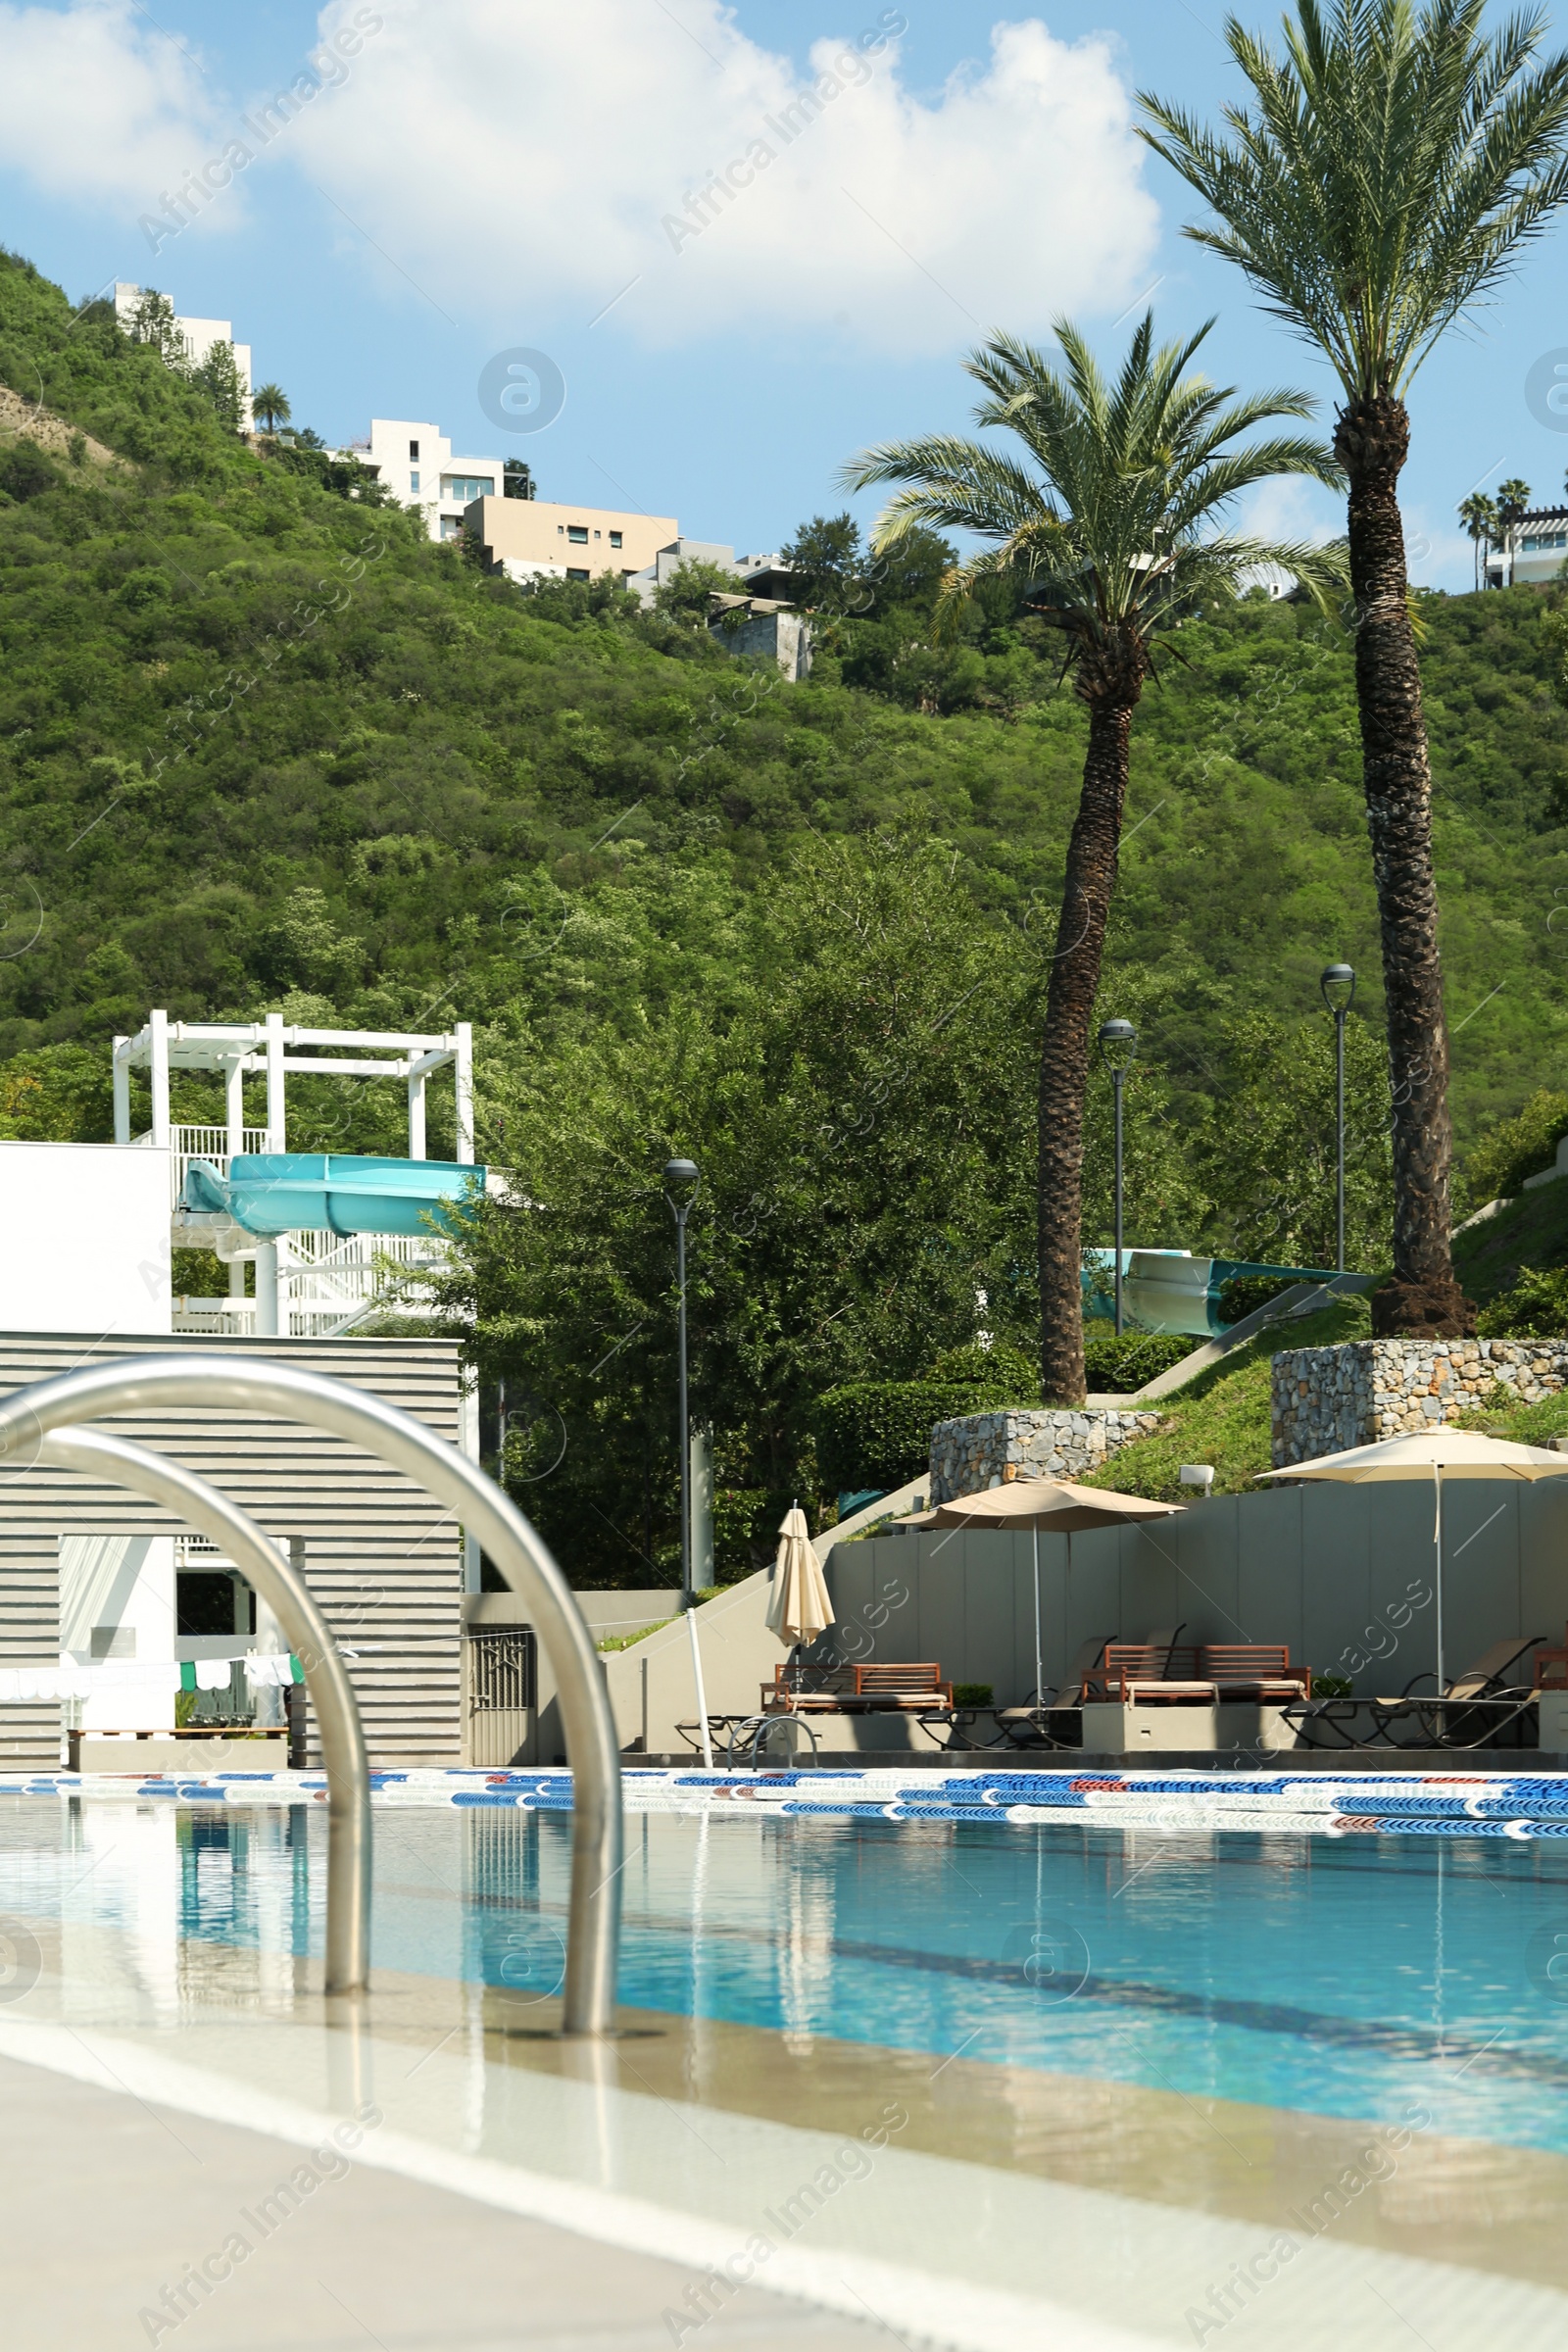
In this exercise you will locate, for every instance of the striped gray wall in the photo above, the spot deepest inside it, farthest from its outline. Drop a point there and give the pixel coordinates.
(383, 1559)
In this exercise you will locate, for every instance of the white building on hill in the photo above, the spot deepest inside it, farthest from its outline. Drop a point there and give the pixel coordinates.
(199, 335)
(413, 458)
(1534, 548)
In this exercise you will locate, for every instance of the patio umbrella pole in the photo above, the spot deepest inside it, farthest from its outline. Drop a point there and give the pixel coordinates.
(701, 1695)
(1437, 1538)
(1040, 1672)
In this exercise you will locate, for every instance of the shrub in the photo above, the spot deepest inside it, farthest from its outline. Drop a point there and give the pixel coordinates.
(1000, 1372)
(1116, 1367)
(973, 1695)
(1535, 1309)
(877, 1433)
(1520, 1147)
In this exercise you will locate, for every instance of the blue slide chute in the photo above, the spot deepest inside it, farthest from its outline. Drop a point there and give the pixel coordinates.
(1171, 1291)
(270, 1192)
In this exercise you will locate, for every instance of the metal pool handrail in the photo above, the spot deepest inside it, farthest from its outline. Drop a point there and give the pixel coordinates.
(96, 1453)
(145, 1384)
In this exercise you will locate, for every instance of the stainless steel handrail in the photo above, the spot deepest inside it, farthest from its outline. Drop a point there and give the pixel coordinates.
(144, 1384)
(96, 1453)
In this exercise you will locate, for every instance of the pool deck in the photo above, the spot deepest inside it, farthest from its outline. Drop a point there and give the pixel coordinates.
(114, 2204)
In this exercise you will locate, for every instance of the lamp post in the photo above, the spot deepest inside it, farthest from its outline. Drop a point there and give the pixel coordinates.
(1337, 984)
(1118, 1045)
(680, 1175)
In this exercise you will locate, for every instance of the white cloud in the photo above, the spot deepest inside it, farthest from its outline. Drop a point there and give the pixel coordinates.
(525, 161)
(96, 104)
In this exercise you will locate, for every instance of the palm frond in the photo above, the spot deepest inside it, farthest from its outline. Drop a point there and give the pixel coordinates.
(1393, 159)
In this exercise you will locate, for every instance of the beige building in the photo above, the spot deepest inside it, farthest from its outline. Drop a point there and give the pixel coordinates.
(530, 538)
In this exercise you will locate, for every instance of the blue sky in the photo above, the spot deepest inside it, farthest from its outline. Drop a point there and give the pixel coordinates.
(483, 175)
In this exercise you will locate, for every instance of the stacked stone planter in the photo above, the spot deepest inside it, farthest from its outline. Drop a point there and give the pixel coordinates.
(989, 1449)
(1327, 1399)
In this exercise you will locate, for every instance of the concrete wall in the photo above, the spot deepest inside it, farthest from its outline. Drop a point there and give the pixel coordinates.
(88, 1246)
(1343, 1574)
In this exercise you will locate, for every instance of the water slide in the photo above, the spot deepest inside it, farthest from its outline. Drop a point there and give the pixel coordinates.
(1170, 1290)
(271, 1192)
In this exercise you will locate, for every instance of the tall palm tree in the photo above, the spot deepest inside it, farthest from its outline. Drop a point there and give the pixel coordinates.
(1478, 514)
(1110, 514)
(269, 407)
(1380, 181)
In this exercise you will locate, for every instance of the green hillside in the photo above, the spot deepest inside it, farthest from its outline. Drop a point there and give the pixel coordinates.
(262, 745)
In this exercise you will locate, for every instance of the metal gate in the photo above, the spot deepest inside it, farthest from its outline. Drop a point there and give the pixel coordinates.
(501, 1693)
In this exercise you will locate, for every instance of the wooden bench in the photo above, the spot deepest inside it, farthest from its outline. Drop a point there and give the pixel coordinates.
(1161, 1674)
(854, 1689)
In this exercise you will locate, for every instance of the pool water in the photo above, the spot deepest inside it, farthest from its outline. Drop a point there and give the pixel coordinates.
(1345, 1978)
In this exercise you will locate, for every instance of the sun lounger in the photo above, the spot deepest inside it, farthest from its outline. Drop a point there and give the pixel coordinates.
(1488, 1699)
(880, 1688)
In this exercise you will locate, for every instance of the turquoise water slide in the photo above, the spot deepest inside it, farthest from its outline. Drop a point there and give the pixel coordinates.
(271, 1192)
(1169, 1289)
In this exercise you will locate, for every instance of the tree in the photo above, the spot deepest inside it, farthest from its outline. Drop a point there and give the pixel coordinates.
(1393, 163)
(516, 479)
(686, 596)
(1480, 517)
(219, 378)
(828, 561)
(269, 407)
(1108, 523)
(153, 321)
(1513, 497)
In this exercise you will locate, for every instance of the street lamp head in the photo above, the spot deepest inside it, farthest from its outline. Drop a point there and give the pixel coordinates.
(1118, 1046)
(681, 1182)
(1337, 984)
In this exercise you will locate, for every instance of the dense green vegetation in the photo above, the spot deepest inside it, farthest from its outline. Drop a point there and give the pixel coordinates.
(797, 931)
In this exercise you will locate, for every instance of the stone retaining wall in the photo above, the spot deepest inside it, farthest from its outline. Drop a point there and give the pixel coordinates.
(989, 1449)
(1327, 1399)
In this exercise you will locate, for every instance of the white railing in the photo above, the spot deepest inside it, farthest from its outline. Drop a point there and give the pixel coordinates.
(211, 1144)
(327, 1283)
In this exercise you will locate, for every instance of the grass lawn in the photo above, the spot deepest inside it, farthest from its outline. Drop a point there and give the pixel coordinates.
(1223, 1415)
(1532, 1231)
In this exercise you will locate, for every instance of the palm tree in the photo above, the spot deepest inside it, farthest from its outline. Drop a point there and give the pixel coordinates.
(1392, 165)
(1478, 514)
(1110, 516)
(269, 407)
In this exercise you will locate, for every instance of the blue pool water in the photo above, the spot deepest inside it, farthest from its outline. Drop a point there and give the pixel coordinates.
(1354, 1977)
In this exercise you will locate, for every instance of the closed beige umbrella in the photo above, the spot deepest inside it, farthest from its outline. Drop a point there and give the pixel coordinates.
(800, 1609)
(1434, 1453)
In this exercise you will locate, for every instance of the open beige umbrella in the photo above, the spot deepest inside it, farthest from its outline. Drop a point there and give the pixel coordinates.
(800, 1609)
(1433, 1453)
(1054, 1504)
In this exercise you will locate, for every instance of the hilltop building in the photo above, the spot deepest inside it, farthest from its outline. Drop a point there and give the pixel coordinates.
(198, 334)
(414, 460)
(1533, 549)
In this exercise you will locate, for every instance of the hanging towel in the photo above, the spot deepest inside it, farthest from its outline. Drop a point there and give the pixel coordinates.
(274, 1671)
(215, 1674)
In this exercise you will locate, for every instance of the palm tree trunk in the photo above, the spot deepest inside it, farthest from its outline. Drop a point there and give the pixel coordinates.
(1371, 442)
(1089, 879)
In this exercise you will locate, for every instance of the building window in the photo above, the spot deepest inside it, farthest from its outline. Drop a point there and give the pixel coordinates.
(615, 538)
(577, 533)
(1543, 543)
(465, 488)
(573, 574)
(414, 481)
(560, 527)
(452, 526)
(414, 451)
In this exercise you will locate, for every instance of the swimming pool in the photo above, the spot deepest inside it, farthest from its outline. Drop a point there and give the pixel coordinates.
(1132, 2046)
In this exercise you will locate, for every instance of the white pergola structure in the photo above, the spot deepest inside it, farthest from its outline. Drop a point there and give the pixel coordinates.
(247, 1048)
(333, 1279)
